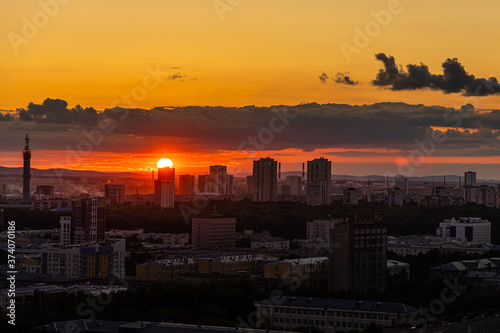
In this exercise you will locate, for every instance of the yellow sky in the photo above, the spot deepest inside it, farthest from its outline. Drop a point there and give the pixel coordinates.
(263, 52)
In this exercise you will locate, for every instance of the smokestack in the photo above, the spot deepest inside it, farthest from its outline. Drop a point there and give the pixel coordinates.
(444, 179)
(279, 170)
(303, 168)
(26, 170)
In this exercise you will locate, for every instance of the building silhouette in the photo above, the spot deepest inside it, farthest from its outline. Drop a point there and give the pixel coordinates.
(115, 193)
(218, 180)
(26, 170)
(88, 221)
(186, 185)
(165, 188)
(358, 257)
(319, 182)
(265, 180)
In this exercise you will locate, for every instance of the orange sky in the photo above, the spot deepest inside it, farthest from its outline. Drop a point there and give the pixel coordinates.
(259, 52)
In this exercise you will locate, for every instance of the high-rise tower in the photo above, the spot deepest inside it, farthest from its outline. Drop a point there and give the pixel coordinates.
(26, 170)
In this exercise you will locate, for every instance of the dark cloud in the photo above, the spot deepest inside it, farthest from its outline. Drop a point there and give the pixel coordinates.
(56, 111)
(454, 79)
(323, 77)
(345, 78)
(204, 129)
(6, 117)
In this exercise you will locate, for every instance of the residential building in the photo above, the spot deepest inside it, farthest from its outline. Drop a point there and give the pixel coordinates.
(203, 181)
(271, 243)
(319, 182)
(265, 180)
(295, 183)
(218, 180)
(351, 196)
(320, 229)
(87, 222)
(165, 188)
(66, 235)
(215, 231)
(115, 193)
(358, 254)
(186, 185)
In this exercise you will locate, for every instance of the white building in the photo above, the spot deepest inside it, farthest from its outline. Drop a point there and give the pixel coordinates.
(394, 267)
(321, 228)
(465, 229)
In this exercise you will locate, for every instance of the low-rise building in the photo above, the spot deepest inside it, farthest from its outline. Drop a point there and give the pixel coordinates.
(307, 271)
(272, 243)
(330, 315)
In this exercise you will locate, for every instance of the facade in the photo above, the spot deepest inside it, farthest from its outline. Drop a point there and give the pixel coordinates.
(265, 180)
(305, 271)
(213, 232)
(115, 193)
(171, 270)
(319, 182)
(402, 183)
(141, 199)
(65, 237)
(45, 192)
(271, 243)
(295, 183)
(97, 260)
(218, 180)
(165, 188)
(87, 222)
(186, 185)
(351, 196)
(203, 181)
(320, 229)
(250, 184)
(465, 229)
(330, 315)
(358, 254)
(395, 197)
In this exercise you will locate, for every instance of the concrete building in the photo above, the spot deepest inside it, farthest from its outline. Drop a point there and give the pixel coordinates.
(319, 182)
(203, 181)
(250, 184)
(358, 253)
(218, 180)
(165, 188)
(96, 260)
(351, 196)
(65, 236)
(320, 229)
(265, 180)
(114, 193)
(465, 229)
(186, 185)
(230, 185)
(295, 183)
(330, 315)
(395, 197)
(168, 270)
(402, 183)
(213, 232)
(87, 222)
(304, 271)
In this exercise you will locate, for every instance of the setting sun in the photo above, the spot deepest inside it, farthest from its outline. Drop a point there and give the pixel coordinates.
(164, 163)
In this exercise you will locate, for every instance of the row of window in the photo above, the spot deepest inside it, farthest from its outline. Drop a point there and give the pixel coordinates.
(345, 314)
(321, 323)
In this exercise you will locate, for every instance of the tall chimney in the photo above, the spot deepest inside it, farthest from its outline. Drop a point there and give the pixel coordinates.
(303, 168)
(26, 170)
(279, 170)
